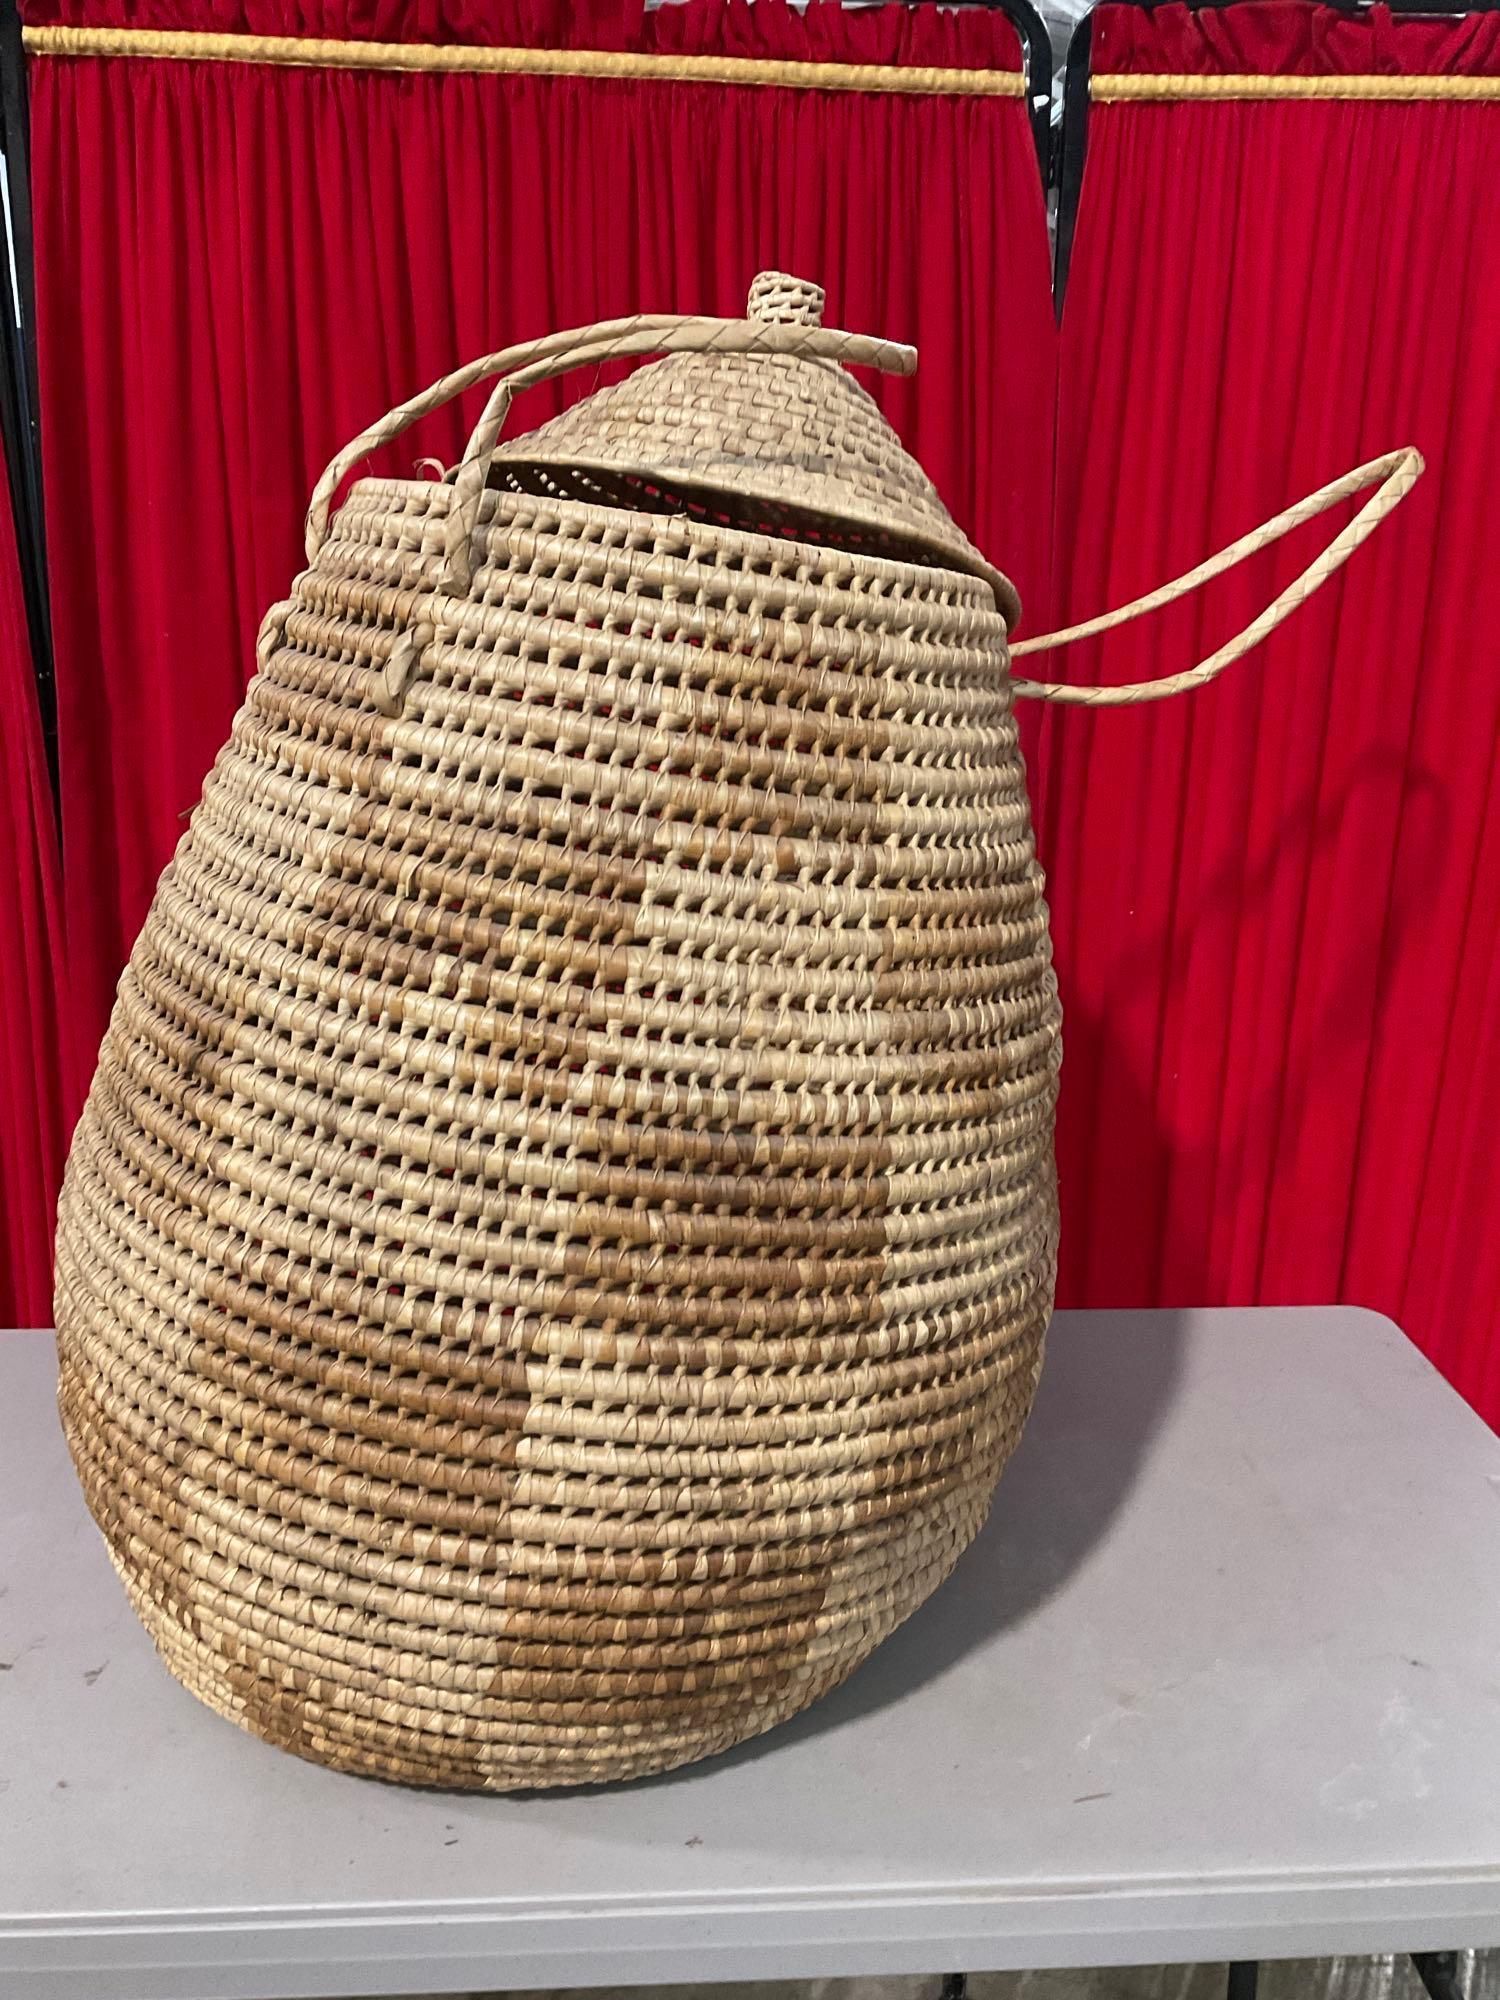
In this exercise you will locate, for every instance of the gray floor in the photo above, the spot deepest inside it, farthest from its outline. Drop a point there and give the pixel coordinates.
(1287, 1979)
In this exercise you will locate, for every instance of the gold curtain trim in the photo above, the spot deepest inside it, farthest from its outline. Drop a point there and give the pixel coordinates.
(1389, 89)
(437, 58)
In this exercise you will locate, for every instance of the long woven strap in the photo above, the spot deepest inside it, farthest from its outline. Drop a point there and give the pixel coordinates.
(1397, 472)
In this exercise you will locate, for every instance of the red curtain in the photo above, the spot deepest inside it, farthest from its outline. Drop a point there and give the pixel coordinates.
(32, 1134)
(1277, 902)
(240, 267)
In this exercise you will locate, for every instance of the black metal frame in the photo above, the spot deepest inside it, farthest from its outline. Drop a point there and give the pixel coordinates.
(1072, 146)
(20, 410)
(1437, 1970)
(1036, 74)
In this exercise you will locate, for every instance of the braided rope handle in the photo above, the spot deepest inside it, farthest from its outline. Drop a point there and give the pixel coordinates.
(536, 360)
(1397, 473)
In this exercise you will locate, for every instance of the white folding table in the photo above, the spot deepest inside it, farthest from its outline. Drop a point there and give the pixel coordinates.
(1220, 1679)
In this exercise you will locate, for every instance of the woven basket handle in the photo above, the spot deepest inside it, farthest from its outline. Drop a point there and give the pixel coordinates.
(404, 415)
(1397, 473)
(536, 360)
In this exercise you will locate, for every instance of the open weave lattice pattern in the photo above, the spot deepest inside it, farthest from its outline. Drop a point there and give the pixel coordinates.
(804, 438)
(558, 1248)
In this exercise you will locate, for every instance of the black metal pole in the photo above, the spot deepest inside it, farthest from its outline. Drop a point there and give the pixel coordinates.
(1036, 74)
(1438, 1972)
(1072, 147)
(1244, 1978)
(20, 415)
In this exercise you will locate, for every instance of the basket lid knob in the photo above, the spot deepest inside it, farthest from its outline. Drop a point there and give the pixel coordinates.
(789, 301)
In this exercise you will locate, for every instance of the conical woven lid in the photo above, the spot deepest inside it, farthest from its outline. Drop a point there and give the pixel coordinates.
(789, 445)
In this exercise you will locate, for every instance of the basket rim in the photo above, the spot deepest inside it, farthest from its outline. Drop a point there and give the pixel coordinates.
(1007, 603)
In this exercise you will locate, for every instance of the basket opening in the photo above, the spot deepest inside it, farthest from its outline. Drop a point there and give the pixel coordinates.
(744, 513)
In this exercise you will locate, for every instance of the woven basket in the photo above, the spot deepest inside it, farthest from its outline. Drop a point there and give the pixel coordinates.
(558, 1247)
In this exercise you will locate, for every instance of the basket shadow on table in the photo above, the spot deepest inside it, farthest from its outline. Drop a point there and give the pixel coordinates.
(1099, 1404)
(1105, 1391)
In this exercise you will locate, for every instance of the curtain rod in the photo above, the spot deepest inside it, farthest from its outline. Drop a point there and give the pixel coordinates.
(442, 58)
(1127, 88)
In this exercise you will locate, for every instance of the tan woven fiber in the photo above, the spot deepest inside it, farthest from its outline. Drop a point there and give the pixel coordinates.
(462, 58)
(458, 58)
(1127, 89)
(1397, 472)
(558, 1248)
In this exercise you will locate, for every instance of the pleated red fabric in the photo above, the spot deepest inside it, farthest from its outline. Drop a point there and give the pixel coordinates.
(33, 1136)
(1290, 38)
(241, 267)
(1276, 904)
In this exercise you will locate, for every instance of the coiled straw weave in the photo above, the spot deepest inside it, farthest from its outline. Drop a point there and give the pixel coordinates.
(558, 1248)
